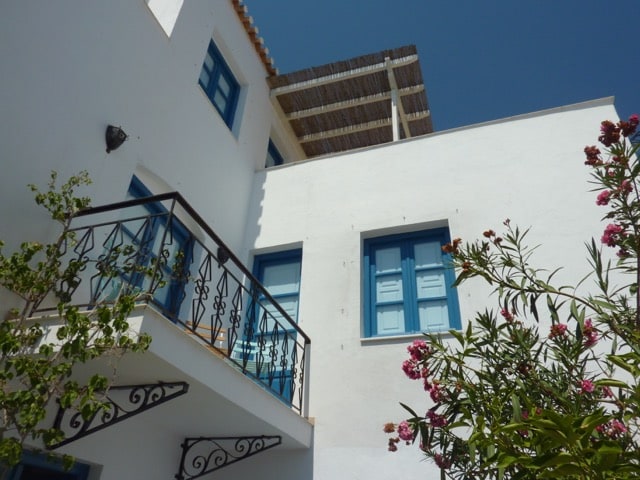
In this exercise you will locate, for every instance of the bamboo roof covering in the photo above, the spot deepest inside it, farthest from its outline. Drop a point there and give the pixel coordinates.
(348, 104)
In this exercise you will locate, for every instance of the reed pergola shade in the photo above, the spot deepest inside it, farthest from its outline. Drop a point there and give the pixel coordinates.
(364, 101)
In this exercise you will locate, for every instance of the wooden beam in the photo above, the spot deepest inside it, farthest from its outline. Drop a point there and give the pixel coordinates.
(338, 132)
(398, 104)
(355, 102)
(336, 77)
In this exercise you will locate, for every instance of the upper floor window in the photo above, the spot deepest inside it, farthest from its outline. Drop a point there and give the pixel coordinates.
(219, 84)
(407, 284)
(273, 156)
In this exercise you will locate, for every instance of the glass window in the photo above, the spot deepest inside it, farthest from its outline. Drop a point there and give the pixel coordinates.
(273, 156)
(407, 284)
(219, 84)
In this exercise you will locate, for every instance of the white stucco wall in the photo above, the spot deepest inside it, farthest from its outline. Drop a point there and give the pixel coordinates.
(72, 68)
(529, 170)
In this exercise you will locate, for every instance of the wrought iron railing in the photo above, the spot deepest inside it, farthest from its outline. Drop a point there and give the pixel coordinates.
(160, 248)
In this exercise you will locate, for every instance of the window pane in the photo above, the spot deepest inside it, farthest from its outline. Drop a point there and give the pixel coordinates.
(220, 101)
(427, 254)
(208, 62)
(433, 315)
(204, 77)
(273, 156)
(282, 279)
(430, 284)
(388, 260)
(223, 85)
(390, 319)
(389, 288)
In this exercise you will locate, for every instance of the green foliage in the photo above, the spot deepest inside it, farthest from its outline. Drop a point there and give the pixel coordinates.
(512, 402)
(35, 369)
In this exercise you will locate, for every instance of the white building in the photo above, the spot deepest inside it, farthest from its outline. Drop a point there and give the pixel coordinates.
(339, 217)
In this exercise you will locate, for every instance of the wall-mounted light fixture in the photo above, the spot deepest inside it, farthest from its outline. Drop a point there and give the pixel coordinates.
(115, 137)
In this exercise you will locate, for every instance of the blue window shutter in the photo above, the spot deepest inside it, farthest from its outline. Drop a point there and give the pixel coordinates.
(390, 291)
(279, 273)
(407, 284)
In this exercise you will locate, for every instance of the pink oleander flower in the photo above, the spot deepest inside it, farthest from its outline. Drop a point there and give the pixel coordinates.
(628, 128)
(610, 133)
(612, 235)
(589, 333)
(607, 392)
(427, 384)
(586, 386)
(404, 431)
(603, 197)
(442, 462)
(508, 316)
(612, 429)
(436, 419)
(622, 253)
(558, 330)
(437, 393)
(411, 369)
(419, 350)
(625, 187)
(593, 156)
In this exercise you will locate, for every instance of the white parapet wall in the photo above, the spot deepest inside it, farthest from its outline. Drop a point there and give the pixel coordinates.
(529, 169)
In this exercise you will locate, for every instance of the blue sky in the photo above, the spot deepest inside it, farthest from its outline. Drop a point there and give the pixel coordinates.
(481, 59)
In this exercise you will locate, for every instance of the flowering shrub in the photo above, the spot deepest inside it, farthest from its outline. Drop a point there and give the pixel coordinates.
(511, 399)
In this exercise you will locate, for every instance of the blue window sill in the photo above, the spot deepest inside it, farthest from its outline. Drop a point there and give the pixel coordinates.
(405, 337)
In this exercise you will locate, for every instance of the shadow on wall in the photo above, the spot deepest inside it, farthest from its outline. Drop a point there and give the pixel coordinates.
(275, 464)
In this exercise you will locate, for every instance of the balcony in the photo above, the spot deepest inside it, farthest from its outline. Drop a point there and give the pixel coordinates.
(160, 249)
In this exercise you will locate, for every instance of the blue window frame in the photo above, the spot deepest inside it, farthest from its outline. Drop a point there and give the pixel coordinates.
(407, 284)
(219, 84)
(273, 156)
(179, 241)
(38, 467)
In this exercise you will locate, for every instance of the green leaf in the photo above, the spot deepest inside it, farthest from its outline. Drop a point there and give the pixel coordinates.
(408, 409)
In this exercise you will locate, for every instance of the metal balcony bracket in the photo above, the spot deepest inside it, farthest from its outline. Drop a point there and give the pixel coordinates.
(122, 402)
(203, 455)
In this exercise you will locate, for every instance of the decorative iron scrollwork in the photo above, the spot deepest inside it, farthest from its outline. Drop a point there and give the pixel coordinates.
(203, 455)
(122, 402)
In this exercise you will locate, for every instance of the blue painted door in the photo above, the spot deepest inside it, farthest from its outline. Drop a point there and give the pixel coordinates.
(280, 274)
